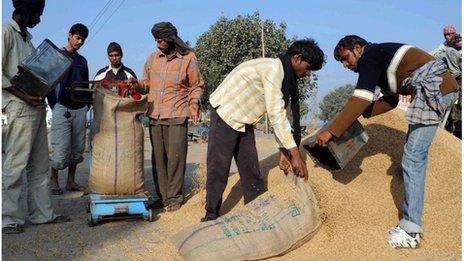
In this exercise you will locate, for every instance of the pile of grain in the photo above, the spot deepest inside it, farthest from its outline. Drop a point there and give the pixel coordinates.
(364, 200)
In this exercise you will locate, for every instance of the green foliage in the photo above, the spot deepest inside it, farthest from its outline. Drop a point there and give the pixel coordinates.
(333, 102)
(230, 42)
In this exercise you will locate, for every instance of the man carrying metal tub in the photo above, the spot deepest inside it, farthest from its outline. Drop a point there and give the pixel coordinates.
(25, 143)
(385, 71)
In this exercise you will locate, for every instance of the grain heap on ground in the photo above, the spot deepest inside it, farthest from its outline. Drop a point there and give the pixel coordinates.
(364, 200)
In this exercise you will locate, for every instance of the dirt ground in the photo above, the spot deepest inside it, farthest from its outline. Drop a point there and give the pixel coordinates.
(360, 203)
(133, 239)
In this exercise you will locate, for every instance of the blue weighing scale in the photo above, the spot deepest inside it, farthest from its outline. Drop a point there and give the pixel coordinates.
(110, 207)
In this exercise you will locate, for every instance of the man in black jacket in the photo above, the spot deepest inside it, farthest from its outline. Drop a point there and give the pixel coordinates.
(69, 117)
(116, 70)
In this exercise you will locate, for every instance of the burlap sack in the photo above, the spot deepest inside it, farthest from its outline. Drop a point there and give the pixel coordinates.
(117, 145)
(276, 222)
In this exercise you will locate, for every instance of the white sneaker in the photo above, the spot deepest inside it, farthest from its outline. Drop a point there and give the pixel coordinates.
(398, 238)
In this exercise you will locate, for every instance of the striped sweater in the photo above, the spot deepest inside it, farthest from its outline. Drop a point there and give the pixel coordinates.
(382, 68)
(250, 90)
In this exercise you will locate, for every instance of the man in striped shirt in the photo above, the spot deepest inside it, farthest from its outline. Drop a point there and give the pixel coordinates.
(174, 85)
(252, 89)
(385, 71)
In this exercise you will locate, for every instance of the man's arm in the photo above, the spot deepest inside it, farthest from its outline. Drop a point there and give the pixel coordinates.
(195, 89)
(275, 107)
(369, 71)
(438, 50)
(352, 110)
(142, 86)
(31, 100)
(196, 84)
(6, 78)
(357, 106)
(6, 47)
(382, 105)
(86, 78)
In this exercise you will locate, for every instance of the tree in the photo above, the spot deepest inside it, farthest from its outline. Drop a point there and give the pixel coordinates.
(230, 42)
(334, 101)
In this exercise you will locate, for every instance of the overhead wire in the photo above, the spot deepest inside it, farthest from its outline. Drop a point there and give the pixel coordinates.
(109, 17)
(100, 14)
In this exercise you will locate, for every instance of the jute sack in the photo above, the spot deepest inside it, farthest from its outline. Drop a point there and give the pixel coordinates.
(276, 222)
(117, 144)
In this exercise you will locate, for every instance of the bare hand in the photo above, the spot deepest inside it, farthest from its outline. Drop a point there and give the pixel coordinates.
(194, 110)
(298, 164)
(405, 98)
(284, 162)
(323, 137)
(131, 82)
(34, 101)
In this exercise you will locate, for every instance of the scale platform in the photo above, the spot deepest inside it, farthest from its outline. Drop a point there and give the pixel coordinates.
(110, 207)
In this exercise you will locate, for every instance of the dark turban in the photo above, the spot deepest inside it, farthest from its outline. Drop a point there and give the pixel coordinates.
(167, 31)
(33, 6)
(114, 47)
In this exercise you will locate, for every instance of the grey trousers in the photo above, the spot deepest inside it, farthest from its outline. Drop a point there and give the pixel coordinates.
(169, 156)
(26, 152)
(67, 136)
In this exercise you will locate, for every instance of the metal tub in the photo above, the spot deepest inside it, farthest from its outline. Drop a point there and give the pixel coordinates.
(41, 71)
(338, 151)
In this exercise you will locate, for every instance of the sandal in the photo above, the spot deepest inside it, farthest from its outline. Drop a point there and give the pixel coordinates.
(78, 188)
(12, 229)
(174, 206)
(59, 219)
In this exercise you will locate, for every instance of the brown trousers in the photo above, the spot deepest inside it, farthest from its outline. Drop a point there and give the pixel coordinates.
(169, 156)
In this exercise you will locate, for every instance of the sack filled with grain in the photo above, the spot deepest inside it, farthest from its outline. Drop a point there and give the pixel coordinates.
(117, 144)
(276, 222)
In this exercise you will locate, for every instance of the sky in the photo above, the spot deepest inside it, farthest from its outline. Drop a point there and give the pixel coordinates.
(128, 22)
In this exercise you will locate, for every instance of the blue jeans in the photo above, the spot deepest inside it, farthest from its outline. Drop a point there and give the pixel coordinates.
(414, 163)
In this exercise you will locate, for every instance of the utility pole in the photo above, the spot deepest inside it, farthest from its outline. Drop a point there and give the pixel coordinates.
(264, 55)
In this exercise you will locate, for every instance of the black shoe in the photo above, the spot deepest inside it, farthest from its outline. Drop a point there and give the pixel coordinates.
(12, 229)
(206, 219)
(158, 204)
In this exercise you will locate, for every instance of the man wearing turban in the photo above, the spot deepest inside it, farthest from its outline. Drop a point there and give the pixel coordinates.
(174, 85)
(25, 139)
(166, 31)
